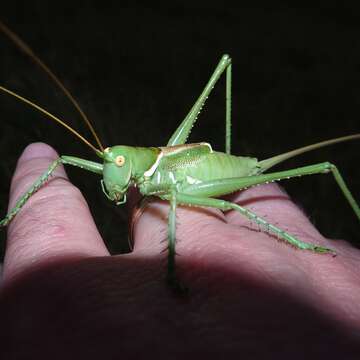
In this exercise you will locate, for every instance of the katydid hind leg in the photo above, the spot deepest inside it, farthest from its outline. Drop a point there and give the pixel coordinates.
(65, 160)
(226, 186)
(183, 131)
(228, 110)
(185, 199)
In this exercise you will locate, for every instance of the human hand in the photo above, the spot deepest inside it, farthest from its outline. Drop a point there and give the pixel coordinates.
(64, 296)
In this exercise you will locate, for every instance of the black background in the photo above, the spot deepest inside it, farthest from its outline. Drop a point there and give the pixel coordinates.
(136, 71)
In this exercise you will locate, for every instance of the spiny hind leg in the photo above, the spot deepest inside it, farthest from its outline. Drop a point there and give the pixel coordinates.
(183, 131)
(272, 229)
(227, 186)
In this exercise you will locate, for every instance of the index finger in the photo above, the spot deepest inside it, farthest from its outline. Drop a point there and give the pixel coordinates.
(54, 222)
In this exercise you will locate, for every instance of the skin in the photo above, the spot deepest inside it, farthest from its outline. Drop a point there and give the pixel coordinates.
(63, 296)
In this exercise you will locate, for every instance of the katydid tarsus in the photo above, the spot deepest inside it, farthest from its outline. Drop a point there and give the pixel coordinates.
(180, 173)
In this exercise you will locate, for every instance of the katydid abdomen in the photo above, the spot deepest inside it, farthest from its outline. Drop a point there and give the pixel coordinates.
(198, 164)
(218, 165)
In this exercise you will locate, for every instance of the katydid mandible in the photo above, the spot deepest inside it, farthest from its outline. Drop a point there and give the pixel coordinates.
(181, 173)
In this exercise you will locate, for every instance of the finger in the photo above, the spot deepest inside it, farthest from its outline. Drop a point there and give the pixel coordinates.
(275, 206)
(54, 222)
(151, 226)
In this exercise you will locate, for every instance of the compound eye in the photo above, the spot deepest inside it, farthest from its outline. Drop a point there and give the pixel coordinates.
(120, 160)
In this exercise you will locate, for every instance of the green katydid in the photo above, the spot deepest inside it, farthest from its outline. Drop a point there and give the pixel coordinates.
(180, 173)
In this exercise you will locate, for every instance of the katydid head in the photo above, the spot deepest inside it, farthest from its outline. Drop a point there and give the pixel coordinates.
(117, 172)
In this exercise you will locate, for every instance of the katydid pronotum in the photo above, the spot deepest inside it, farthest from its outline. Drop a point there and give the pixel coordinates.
(180, 173)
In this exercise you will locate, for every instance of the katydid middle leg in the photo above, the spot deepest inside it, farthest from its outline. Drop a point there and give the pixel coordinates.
(224, 205)
(171, 270)
(171, 276)
(201, 195)
(182, 132)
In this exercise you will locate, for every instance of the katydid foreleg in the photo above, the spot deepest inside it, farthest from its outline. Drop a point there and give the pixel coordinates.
(65, 160)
